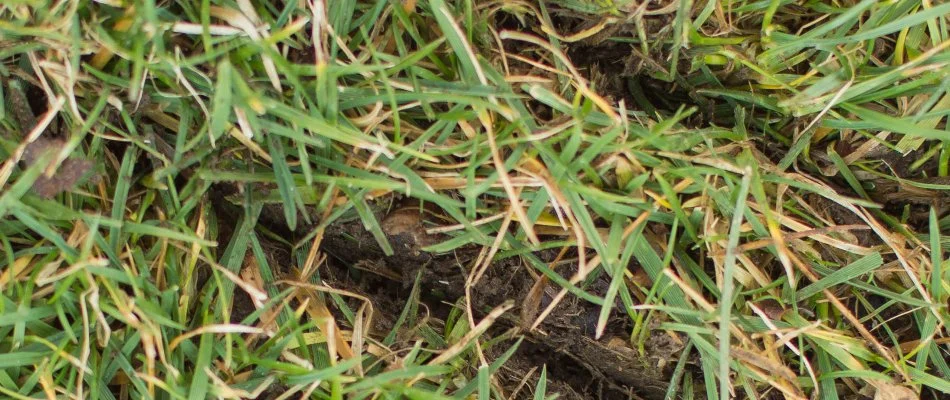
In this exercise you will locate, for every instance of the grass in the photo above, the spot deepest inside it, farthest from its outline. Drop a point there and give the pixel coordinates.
(780, 210)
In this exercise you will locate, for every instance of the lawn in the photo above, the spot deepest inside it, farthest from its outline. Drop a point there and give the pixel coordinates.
(440, 199)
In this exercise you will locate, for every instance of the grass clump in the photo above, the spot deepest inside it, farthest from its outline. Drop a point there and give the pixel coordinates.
(402, 199)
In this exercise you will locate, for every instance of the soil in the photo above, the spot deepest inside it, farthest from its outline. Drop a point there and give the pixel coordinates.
(578, 365)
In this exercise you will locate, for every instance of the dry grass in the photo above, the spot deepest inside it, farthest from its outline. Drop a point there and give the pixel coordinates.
(764, 182)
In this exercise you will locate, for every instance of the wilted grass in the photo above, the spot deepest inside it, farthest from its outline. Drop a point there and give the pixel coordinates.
(787, 210)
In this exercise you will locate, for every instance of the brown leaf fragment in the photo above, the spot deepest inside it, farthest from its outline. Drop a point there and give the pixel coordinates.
(890, 391)
(69, 173)
(772, 308)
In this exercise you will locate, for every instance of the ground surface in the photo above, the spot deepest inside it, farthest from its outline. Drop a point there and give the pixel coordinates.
(474, 199)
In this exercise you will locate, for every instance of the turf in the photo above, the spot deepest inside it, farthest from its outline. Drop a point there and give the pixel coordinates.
(763, 183)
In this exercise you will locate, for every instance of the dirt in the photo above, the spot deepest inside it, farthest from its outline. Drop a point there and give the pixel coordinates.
(578, 365)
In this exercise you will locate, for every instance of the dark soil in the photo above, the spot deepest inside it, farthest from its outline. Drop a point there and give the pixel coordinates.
(578, 365)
